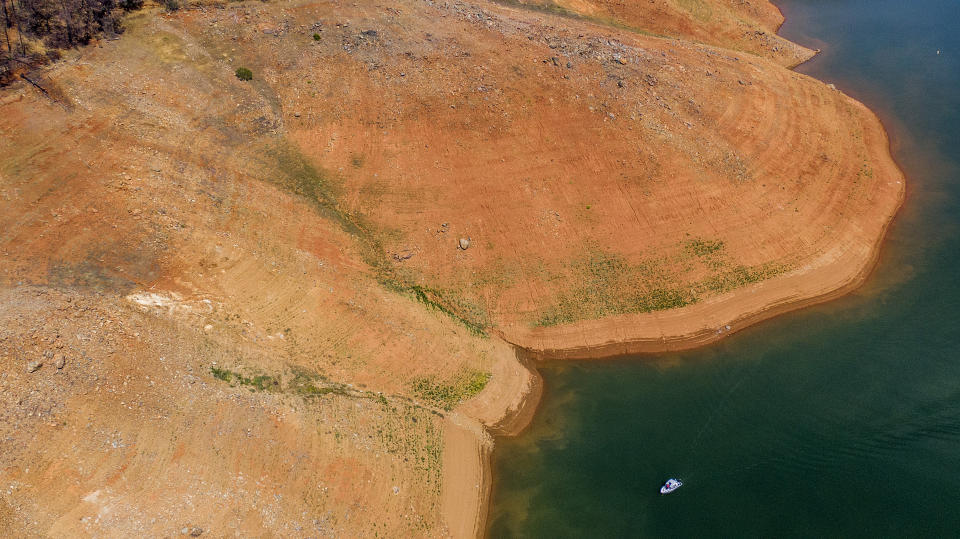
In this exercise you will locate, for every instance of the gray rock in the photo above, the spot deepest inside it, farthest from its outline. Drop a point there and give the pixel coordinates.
(59, 360)
(196, 532)
(464, 243)
(34, 365)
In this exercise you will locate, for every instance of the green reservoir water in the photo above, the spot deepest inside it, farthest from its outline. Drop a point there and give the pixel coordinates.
(838, 420)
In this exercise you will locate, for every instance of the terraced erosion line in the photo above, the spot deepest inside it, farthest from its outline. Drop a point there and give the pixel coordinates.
(834, 273)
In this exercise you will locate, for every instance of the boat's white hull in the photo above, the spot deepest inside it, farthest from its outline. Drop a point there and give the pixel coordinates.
(672, 485)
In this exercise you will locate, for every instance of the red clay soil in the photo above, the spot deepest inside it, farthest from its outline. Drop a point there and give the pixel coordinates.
(243, 307)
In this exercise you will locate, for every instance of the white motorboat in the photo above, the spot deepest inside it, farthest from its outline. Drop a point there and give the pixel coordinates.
(670, 486)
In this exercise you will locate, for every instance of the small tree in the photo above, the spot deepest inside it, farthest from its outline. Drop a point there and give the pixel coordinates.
(244, 73)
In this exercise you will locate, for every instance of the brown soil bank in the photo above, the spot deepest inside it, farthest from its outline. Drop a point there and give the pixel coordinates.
(734, 24)
(272, 307)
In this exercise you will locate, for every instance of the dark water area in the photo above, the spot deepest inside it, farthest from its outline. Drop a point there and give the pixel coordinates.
(838, 420)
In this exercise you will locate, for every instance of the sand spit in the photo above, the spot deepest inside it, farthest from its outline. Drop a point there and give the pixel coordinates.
(244, 307)
(504, 408)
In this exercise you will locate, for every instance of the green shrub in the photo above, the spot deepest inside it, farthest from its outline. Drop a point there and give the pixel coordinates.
(244, 73)
(221, 374)
(260, 383)
(447, 395)
(316, 37)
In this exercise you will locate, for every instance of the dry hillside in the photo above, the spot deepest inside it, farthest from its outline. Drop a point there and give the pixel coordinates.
(235, 307)
(734, 24)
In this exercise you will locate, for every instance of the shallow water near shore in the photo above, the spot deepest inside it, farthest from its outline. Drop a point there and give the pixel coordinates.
(837, 420)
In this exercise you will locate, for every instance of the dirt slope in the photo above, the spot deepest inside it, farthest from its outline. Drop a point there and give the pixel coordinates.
(242, 307)
(734, 24)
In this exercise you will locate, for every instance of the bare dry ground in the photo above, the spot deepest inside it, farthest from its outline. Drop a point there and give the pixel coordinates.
(241, 307)
(733, 24)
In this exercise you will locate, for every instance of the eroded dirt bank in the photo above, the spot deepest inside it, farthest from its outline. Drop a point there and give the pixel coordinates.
(244, 307)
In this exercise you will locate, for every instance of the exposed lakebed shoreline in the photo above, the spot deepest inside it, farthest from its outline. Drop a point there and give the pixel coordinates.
(834, 275)
(316, 278)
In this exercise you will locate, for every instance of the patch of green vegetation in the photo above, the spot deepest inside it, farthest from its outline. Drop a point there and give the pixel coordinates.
(701, 247)
(300, 177)
(257, 383)
(739, 276)
(312, 384)
(316, 37)
(661, 299)
(609, 286)
(577, 306)
(221, 374)
(446, 395)
(299, 381)
(451, 304)
(244, 73)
